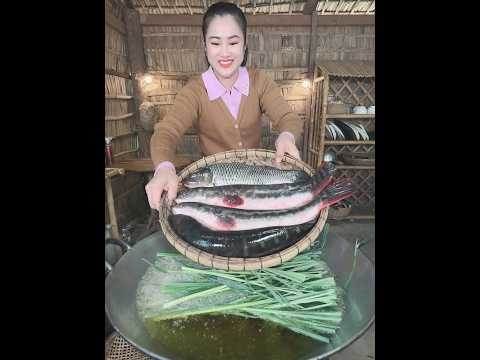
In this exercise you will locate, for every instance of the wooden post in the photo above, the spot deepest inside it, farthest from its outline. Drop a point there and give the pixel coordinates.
(321, 148)
(311, 76)
(136, 55)
(143, 135)
(313, 45)
(109, 173)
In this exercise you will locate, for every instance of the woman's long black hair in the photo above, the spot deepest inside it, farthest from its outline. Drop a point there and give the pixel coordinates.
(221, 9)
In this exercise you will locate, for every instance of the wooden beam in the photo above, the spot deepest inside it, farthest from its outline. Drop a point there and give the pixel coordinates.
(119, 97)
(313, 44)
(345, 20)
(120, 117)
(262, 20)
(115, 23)
(136, 54)
(117, 73)
(310, 7)
(111, 207)
(254, 7)
(290, 7)
(270, 10)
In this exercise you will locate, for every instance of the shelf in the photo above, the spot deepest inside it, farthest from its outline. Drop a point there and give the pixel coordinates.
(350, 116)
(118, 97)
(355, 167)
(349, 142)
(360, 217)
(125, 116)
(358, 213)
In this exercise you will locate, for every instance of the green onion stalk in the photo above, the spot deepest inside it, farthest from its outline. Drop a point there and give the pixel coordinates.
(300, 294)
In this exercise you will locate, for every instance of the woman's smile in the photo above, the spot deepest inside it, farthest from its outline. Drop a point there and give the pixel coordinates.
(225, 63)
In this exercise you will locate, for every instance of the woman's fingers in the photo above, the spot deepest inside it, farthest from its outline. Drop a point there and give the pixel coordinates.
(164, 180)
(172, 188)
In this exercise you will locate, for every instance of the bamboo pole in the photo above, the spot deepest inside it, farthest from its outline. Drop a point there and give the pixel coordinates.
(109, 173)
(321, 147)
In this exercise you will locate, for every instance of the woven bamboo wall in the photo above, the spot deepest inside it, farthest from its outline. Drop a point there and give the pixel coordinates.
(119, 107)
(128, 190)
(273, 49)
(180, 48)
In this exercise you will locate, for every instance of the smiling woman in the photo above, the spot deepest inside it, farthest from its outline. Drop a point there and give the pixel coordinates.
(224, 33)
(225, 104)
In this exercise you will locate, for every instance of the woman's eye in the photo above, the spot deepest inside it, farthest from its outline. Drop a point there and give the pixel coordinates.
(214, 44)
(234, 43)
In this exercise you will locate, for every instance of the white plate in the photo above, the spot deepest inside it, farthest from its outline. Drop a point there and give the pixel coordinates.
(359, 110)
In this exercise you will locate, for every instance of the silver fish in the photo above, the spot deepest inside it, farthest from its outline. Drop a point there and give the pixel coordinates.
(227, 219)
(262, 197)
(221, 174)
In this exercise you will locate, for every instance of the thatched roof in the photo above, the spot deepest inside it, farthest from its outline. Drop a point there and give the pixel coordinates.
(196, 7)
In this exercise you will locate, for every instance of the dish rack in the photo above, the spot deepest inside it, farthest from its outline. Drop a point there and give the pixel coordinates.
(351, 83)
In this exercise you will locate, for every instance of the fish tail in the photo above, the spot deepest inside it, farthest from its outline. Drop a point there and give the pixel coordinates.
(339, 190)
(323, 177)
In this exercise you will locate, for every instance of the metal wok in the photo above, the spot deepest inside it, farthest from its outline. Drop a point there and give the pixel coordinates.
(121, 286)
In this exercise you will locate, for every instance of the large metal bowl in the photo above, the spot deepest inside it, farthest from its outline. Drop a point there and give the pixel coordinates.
(121, 286)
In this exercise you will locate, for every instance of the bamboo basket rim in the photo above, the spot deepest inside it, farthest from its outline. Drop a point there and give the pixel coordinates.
(238, 263)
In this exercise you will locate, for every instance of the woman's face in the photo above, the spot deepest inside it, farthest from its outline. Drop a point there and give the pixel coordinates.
(225, 46)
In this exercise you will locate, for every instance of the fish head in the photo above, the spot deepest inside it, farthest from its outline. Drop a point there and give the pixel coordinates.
(200, 178)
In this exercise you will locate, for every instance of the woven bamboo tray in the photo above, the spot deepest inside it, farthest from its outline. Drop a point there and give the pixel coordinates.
(251, 156)
(117, 348)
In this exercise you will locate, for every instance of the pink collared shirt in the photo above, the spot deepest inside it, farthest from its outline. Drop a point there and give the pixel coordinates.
(232, 97)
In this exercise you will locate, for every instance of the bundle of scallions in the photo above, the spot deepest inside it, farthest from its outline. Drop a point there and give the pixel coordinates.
(300, 294)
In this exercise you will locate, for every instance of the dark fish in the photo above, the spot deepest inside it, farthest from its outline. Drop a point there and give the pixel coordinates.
(250, 243)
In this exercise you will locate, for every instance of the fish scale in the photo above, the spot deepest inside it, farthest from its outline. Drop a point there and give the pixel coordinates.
(234, 173)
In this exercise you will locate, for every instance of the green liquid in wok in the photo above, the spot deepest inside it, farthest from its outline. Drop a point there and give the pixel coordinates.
(208, 337)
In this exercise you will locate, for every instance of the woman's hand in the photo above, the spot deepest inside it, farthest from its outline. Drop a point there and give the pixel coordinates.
(165, 179)
(285, 144)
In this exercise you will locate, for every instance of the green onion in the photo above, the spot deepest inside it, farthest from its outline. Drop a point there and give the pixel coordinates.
(301, 294)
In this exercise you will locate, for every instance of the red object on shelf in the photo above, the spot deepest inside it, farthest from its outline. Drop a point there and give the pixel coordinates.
(108, 152)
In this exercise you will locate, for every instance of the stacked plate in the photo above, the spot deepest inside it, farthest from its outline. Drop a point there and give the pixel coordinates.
(345, 130)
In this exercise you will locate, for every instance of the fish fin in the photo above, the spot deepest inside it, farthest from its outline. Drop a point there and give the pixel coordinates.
(323, 177)
(339, 190)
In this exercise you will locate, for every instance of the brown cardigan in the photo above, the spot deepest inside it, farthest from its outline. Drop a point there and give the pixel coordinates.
(215, 124)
